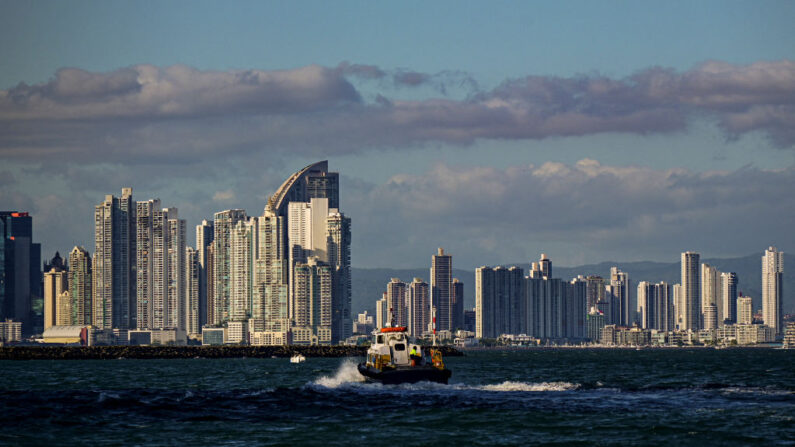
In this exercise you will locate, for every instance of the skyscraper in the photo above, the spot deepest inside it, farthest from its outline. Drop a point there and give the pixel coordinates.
(691, 291)
(655, 306)
(338, 237)
(745, 311)
(55, 283)
(728, 287)
(396, 294)
(595, 290)
(114, 262)
(773, 289)
(457, 305)
(204, 239)
(192, 279)
(545, 265)
(272, 271)
(418, 307)
(622, 306)
(224, 222)
(80, 286)
(20, 269)
(710, 291)
(145, 260)
(240, 270)
(441, 288)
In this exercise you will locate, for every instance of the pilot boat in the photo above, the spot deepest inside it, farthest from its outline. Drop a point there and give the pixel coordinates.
(389, 360)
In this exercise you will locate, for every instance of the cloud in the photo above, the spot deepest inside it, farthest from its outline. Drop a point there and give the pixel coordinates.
(178, 113)
(585, 211)
(224, 196)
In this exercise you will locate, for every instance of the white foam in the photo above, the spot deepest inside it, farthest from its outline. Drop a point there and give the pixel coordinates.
(523, 386)
(347, 373)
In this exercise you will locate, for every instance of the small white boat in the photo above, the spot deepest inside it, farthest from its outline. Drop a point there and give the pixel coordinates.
(297, 358)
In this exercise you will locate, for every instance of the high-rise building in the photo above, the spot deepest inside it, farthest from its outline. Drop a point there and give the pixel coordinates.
(679, 307)
(241, 256)
(622, 306)
(773, 289)
(177, 293)
(312, 298)
(396, 296)
(381, 312)
(691, 291)
(710, 317)
(575, 309)
(745, 310)
(192, 279)
(457, 305)
(145, 260)
(545, 306)
(223, 223)
(338, 236)
(114, 263)
(55, 283)
(595, 290)
(545, 265)
(80, 286)
(499, 301)
(418, 307)
(728, 287)
(710, 290)
(271, 276)
(655, 306)
(20, 269)
(204, 239)
(441, 288)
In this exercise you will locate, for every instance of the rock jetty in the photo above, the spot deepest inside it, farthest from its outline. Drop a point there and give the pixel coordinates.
(182, 352)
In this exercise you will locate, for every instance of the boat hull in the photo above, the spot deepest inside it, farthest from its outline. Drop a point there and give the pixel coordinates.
(405, 374)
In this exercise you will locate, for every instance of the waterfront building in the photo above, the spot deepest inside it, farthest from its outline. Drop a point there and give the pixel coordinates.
(575, 309)
(595, 290)
(655, 306)
(223, 224)
(10, 331)
(237, 332)
(622, 306)
(710, 291)
(80, 286)
(396, 301)
(271, 275)
(710, 317)
(418, 307)
(691, 291)
(728, 298)
(457, 305)
(312, 299)
(213, 336)
(145, 256)
(55, 284)
(745, 312)
(595, 324)
(545, 307)
(679, 307)
(441, 288)
(470, 318)
(499, 301)
(192, 301)
(789, 336)
(204, 240)
(773, 289)
(338, 248)
(20, 269)
(177, 290)
(240, 272)
(381, 312)
(114, 263)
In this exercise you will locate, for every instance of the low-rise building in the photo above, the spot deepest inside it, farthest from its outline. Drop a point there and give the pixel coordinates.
(10, 331)
(213, 336)
(268, 338)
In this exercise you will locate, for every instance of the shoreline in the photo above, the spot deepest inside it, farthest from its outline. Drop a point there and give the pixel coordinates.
(184, 352)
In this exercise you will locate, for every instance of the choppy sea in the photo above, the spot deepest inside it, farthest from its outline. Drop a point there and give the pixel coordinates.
(698, 397)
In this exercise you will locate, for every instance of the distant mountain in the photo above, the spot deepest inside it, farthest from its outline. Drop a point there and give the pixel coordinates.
(369, 284)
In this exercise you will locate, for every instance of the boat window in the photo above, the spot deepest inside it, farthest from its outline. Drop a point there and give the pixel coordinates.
(400, 347)
(380, 339)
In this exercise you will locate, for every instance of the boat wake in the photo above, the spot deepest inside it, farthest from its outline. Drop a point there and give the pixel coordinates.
(530, 387)
(347, 373)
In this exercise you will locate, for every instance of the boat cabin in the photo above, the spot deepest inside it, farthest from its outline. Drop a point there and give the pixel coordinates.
(391, 348)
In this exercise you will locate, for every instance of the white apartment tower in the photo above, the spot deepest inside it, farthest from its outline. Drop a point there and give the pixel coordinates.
(418, 307)
(80, 285)
(773, 289)
(745, 311)
(223, 224)
(114, 262)
(728, 287)
(710, 292)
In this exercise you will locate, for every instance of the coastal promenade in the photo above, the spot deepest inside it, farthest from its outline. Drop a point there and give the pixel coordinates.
(183, 352)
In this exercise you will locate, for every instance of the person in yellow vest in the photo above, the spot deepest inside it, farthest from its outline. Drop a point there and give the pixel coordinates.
(415, 356)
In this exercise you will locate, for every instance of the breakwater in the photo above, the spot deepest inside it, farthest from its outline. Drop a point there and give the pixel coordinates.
(183, 352)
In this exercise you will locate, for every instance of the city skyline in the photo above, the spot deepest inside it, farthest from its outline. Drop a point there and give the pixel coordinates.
(688, 128)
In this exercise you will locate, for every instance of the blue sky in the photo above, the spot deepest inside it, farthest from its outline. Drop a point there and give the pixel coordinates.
(473, 58)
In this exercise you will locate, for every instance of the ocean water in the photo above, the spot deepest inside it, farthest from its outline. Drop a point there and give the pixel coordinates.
(539, 396)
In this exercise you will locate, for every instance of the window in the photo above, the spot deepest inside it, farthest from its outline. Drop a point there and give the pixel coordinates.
(380, 339)
(400, 347)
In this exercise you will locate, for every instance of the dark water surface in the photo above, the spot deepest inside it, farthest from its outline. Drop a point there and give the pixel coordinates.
(541, 396)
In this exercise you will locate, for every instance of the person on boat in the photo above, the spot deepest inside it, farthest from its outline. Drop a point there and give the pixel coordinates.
(415, 356)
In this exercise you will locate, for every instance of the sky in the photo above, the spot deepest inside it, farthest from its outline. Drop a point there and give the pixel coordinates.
(589, 131)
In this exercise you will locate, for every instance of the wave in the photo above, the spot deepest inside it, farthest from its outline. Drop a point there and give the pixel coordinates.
(530, 387)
